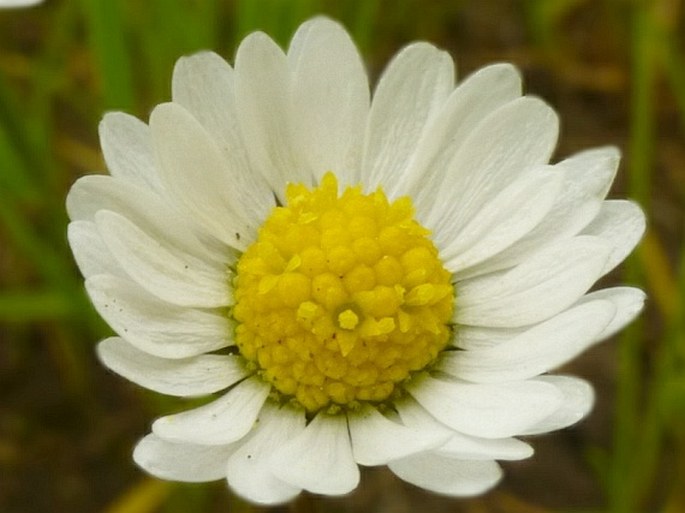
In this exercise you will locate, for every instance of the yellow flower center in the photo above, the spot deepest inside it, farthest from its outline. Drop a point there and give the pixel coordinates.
(341, 298)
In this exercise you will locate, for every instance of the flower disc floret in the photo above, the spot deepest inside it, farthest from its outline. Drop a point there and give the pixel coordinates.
(341, 298)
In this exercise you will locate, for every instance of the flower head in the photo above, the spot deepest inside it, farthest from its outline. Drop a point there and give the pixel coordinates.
(360, 281)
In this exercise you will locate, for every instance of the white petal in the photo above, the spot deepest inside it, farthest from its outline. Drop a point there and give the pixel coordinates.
(544, 347)
(330, 98)
(587, 177)
(90, 252)
(319, 459)
(486, 410)
(187, 377)
(590, 173)
(628, 301)
(448, 476)
(204, 85)
(196, 175)
(161, 267)
(411, 90)
(249, 468)
(127, 148)
(415, 416)
(220, 422)
(502, 221)
(458, 445)
(180, 461)
(154, 326)
(536, 289)
(621, 223)
(151, 213)
(9, 4)
(577, 403)
(99, 192)
(515, 137)
(473, 448)
(476, 97)
(377, 439)
(262, 86)
(478, 337)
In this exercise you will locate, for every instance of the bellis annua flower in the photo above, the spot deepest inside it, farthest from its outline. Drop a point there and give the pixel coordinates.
(350, 279)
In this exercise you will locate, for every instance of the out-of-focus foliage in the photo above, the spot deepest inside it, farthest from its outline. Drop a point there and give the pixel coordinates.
(615, 69)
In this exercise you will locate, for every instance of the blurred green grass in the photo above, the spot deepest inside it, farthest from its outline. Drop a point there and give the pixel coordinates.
(615, 69)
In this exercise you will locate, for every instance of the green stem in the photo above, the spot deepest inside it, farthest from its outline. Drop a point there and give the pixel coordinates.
(623, 493)
(107, 31)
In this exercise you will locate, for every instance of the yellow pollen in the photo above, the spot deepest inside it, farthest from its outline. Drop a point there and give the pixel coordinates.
(348, 320)
(341, 297)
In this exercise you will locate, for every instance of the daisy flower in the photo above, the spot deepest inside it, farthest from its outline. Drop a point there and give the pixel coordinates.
(349, 279)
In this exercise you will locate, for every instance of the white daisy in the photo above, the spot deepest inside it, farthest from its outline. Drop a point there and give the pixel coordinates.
(362, 281)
